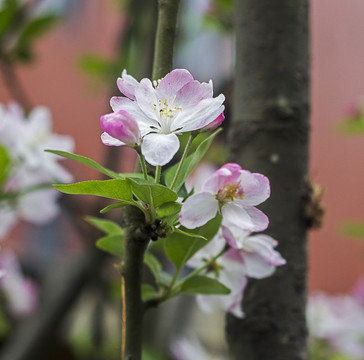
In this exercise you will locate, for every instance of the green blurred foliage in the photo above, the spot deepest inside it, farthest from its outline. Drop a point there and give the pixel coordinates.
(353, 229)
(20, 27)
(220, 15)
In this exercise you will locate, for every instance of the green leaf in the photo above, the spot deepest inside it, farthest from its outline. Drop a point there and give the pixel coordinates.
(112, 244)
(117, 189)
(180, 248)
(116, 205)
(203, 285)
(169, 208)
(353, 229)
(148, 292)
(88, 162)
(107, 226)
(154, 265)
(4, 163)
(151, 193)
(37, 26)
(189, 164)
(8, 10)
(189, 234)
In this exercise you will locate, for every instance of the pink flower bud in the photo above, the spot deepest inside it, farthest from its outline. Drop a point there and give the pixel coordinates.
(120, 128)
(215, 124)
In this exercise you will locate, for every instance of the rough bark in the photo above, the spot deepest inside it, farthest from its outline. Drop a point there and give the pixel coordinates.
(270, 134)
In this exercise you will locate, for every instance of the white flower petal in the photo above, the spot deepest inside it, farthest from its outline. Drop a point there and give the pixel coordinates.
(159, 149)
(198, 209)
(238, 216)
(256, 267)
(110, 141)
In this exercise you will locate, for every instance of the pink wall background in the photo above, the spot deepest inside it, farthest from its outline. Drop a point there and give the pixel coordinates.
(337, 79)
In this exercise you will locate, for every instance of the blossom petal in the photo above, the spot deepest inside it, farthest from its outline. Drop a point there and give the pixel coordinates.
(217, 180)
(199, 116)
(256, 267)
(159, 149)
(262, 245)
(110, 141)
(255, 186)
(173, 82)
(198, 209)
(259, 219)
(147, 99)
(192, 93)
(238, 216)
(127, 85)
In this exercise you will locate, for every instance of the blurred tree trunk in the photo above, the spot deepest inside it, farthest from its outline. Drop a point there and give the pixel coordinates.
(270, 134)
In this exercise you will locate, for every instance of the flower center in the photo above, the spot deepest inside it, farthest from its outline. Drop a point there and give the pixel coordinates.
(230, 192)
(166, 111)
(214, 267)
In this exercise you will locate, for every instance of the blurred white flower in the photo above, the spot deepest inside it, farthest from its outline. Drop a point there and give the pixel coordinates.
(25, 192)
(190, 348)
(20, 293)
(339, 320)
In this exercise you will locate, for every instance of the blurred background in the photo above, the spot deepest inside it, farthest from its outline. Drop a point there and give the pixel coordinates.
(73, 73)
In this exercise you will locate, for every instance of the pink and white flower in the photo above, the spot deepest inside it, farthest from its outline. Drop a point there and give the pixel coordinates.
(233, 191)
(229, 270)
(256, 251)
(120, 129)
(174, 105)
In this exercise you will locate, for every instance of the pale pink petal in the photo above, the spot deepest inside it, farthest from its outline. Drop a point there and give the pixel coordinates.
(192, 93)
(127, 85)
(255, 186)
(199, 116)
(262, 245)
(234, 235)
(238, 216)
(173, 82)
(110, 141)
(209, 251)
(259, 219)
(147, 100)
(159, 149)
(217, 180)
(256, 267)
(198, 209)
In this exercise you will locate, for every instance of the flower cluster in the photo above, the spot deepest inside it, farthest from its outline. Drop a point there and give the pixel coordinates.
(152, 115)
(149, 119)
(234, 192)
(339, 320)
(28, 170)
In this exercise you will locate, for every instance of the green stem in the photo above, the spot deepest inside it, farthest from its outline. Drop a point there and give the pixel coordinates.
(136, 242)
(174, 290)
(165, 37)
(185, 152)
(142, 164)
(158, 170)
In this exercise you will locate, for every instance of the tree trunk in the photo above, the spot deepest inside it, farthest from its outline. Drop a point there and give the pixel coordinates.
(270, 134)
